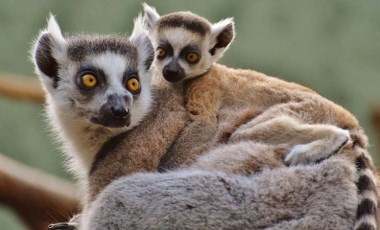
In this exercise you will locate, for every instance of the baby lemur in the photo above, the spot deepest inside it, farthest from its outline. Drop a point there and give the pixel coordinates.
(187, 47)
(98, 87)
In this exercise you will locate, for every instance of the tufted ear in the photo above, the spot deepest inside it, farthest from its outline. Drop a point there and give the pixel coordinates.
(49, 49)
(150, 16)
(140, 39)
(222, 34)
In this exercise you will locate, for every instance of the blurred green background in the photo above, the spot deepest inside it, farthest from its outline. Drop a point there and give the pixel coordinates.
(330, 46)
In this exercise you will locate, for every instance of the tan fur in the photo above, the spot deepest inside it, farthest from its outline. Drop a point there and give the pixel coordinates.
(273, 111)
(217, 104)
(140, 149)
(220, 97)
(250, 157)
(290, 119)
(241, 155)
(242, 158)
(233, 106)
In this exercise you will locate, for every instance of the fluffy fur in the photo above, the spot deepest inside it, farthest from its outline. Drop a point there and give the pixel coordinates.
(220, 94)
(71, 110)
(303, 197)
(142, 148)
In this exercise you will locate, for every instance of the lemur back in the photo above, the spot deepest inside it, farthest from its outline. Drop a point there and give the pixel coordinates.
(187, 47)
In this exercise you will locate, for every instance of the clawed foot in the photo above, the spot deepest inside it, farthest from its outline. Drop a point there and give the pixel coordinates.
(316, 151)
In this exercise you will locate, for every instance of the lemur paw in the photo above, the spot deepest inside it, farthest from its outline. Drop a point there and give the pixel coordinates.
(317, 151)
(298, 155)
(63, 226)
(71, 225)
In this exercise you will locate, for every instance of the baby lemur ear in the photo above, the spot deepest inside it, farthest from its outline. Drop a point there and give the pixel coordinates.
(150, 16)
(140, 39)
(222, 34)
(49, 50)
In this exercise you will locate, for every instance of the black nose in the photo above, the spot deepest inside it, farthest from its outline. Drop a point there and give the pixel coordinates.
(169, 71)
(173, 72)
(113, 113)
(119, 111)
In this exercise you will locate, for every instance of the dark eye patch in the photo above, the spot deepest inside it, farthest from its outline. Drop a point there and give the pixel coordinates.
(98, 73)
(132, 74)
(190, 49)
(167, 47)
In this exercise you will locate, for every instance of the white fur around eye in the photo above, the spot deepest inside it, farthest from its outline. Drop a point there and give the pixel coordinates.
(113, 66)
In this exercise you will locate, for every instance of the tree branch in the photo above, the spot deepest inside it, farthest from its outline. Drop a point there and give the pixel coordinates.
(16, 87)
(376, 122)
(37, 197)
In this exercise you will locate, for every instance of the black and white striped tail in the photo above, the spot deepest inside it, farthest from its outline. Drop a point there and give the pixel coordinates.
(367, 211)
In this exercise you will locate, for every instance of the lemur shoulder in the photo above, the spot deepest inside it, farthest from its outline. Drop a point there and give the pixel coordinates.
(187, 47)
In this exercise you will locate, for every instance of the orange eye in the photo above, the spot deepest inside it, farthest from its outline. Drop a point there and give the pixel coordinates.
(133, 85)
(161, 53)
(89, 81)
(192, 57)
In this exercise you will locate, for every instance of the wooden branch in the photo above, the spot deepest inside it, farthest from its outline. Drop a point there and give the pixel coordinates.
(17, 87)
(37, 197)
(376, 118)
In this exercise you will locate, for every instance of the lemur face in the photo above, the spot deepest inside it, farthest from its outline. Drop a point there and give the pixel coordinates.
(181, 53)
(102, 80)
(186, 45)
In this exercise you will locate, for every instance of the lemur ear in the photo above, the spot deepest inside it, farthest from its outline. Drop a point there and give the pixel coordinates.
(49, 49)
(140, 39)
(150, 16)
(222, 34)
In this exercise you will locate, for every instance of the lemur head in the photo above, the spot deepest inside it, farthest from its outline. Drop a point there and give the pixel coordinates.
(186, 44)
(101, 80)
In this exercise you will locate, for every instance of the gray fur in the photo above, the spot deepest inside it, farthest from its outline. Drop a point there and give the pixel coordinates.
(81, 46)
(304, 197)
(187, 20)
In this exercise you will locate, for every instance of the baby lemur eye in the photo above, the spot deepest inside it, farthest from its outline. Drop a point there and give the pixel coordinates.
(88, 81)
(192, 57)
(133, 84)
(161, 53)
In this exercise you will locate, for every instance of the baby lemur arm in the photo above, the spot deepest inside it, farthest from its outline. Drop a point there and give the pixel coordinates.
(203, 99)
(251, 147)
(141, 148)
(254, 140)
(245, 157)
(295, 124)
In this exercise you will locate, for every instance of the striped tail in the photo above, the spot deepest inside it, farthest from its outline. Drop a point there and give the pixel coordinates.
(367, 213)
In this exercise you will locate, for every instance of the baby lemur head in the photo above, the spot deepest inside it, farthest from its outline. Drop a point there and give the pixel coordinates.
(99, 80)
(186, 44)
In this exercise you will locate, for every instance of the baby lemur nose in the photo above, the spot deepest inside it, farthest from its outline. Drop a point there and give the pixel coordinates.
(173, 72)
